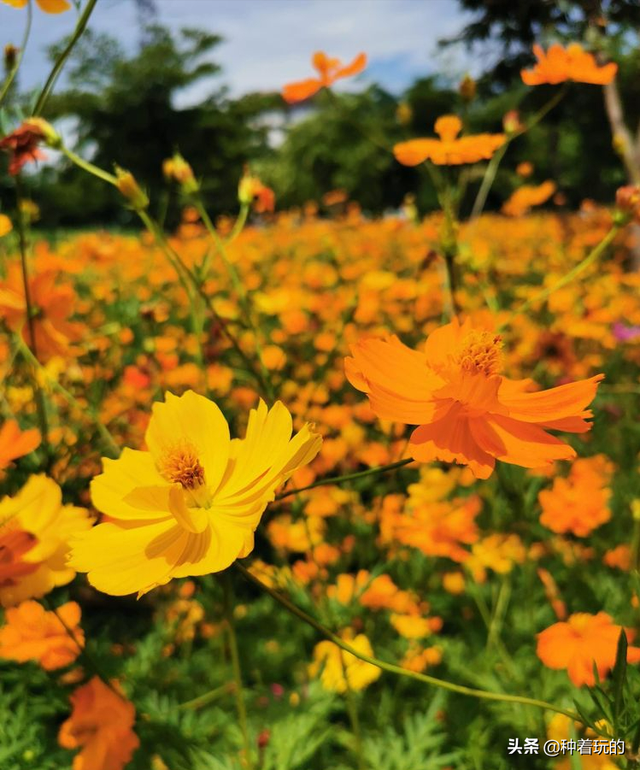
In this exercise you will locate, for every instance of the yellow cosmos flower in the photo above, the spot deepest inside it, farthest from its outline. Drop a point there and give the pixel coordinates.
(35, 528)
(190, 505)
(5, 225)
(48, 6)
(339, 667)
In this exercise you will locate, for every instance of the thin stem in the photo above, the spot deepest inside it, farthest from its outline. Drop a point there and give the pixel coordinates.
(178, 263)
(492, 167)
(352, 709)
(347, 477)
(107, 438)
(208, 697)
(57, 68)
(398, 670)
(90, 168)
(227, 588)
(591, 257)
(14, 71)
(235, 278)
(33, 345)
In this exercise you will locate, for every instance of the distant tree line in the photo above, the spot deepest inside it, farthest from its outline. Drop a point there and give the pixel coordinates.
(123, 107)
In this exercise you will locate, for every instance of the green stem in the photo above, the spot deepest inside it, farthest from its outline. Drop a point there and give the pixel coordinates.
(33, 347)
(208, 697)
(398, 670)
(568, 277)
(492, 167)
(225, 579)
(107, 438)
(25, 39)
(57, 68)
(88, 167)
(352, 709)
(347, 477)
(235, 279)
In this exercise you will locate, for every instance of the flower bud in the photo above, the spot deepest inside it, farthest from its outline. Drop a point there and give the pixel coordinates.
(10, 57)
(130, 189)
(512, 123)
(178, 170)
(467, 88)
(404, 113)
(628, 201)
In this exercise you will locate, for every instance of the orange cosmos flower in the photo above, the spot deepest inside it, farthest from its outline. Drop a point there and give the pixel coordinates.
(467, 412)
(15, 443)
(101, 724)
(23, 144)
(525, 197)
(579, 643)
(448, 150)
(329, 70)
(32, 633)
(580, 503)
(572, 63)
(52, 304)
(48, 6)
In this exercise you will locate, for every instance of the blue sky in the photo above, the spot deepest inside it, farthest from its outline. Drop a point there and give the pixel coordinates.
(269, 42)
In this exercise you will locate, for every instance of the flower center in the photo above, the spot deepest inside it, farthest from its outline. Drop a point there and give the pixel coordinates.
(180, 465)
(480, 353)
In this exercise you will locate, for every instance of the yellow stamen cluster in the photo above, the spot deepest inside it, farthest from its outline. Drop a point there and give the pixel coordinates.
(180, 465)
(480, 353)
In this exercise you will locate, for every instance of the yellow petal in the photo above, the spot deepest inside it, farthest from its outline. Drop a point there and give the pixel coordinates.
(16, 3)
(195, 420)
(265, 459)
(120, 477)
(215, 549)
(122, 560)
(192, 519)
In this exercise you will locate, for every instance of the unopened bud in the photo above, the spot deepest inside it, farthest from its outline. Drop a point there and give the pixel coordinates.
(628, 201)
(130, 189)
(10, 57)
(178, 170)
(263, 739)
(512, 123)
(404, 113)
(467, 88)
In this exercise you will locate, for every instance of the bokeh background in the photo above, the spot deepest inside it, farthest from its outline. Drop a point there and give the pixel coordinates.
(204, 77)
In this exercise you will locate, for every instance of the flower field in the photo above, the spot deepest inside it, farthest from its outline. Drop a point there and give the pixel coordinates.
(311, 489)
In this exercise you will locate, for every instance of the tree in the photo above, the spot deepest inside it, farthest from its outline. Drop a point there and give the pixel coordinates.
(610, 27)
(126, 111)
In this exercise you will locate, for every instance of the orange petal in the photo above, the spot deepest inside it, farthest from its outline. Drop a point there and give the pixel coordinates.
(303, 89)
(54, 6)
(356, 66)
(415, 151)
(549, 405)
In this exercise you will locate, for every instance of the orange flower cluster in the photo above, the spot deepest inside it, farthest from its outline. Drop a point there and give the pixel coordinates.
(53, 639)
(579, 503)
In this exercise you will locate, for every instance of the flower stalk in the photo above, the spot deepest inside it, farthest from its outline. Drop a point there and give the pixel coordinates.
(398, 670)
